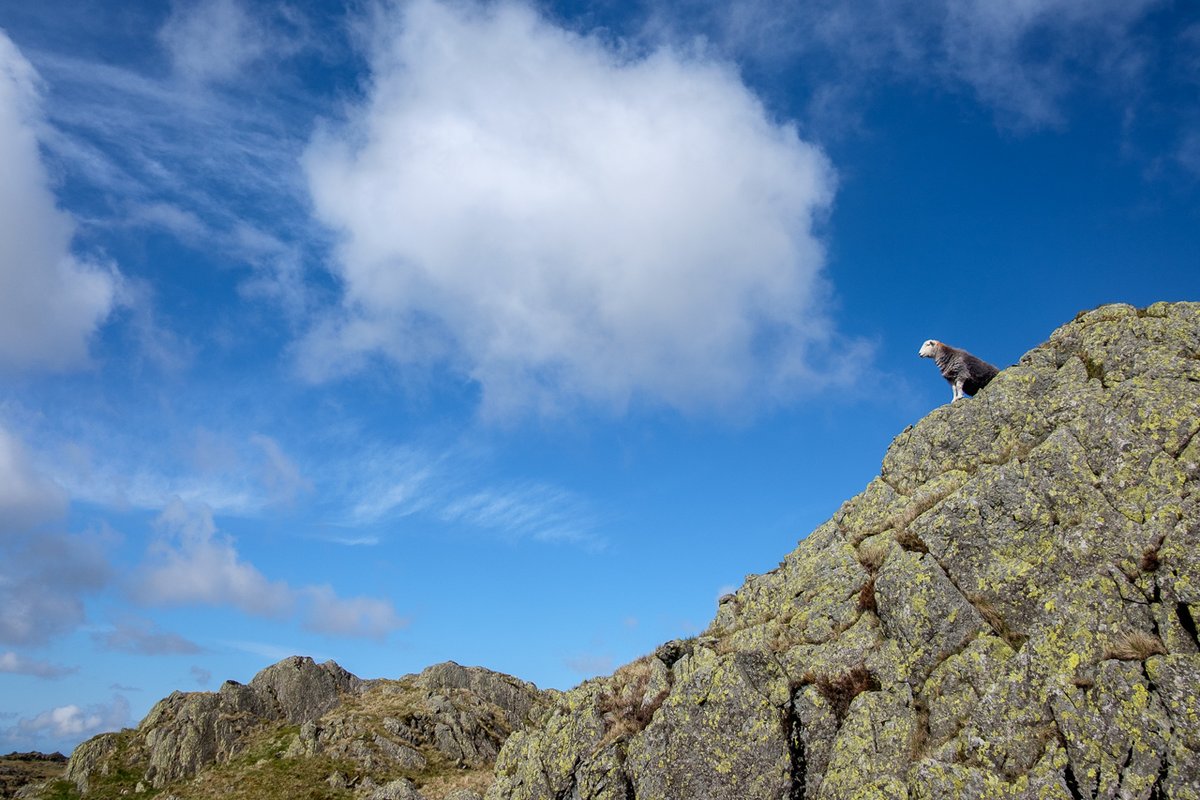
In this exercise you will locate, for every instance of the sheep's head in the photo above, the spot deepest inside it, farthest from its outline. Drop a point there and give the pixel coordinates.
(929, 348)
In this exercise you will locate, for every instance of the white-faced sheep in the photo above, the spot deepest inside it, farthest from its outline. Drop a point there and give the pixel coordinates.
(965, 373)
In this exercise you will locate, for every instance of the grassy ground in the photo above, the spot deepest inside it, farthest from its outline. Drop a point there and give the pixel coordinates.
(21, 769)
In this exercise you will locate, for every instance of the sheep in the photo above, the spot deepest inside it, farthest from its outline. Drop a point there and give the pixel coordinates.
(965, 373)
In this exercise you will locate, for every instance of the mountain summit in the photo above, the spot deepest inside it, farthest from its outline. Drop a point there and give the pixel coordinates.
(1008, 611)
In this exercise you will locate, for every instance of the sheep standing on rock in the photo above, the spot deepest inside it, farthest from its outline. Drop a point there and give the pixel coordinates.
(965, 373)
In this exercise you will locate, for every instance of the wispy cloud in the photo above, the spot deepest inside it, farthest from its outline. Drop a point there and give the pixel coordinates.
(141, 637)
(267, 650)
(16, 664)
(201, 676)
(393, 483)
(280, 475)
(212, 40)
(230, 472)
(1020, 59)
(206, 153)
(534, 510)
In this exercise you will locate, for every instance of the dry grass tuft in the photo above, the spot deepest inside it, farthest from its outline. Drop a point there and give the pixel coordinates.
(1135, 646)
(625, 707)
(991, 615)
(872, 555)
(1150, 559)
(1149, 562)
(918, 743)
(840, 690)
(866, 596)
(479, 781)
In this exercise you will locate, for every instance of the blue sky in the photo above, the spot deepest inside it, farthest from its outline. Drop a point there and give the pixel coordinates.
(509, 333)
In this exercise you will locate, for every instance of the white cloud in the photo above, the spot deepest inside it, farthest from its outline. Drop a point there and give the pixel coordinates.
(351, 616)
(27, 498)
(195, 565)
(212, 40)
(50, 301)
(16, 664)
(73, 723)
(563, 222)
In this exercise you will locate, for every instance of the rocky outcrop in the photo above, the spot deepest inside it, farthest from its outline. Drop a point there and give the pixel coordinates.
(299, 724)
(189, 730)
(1008, 611)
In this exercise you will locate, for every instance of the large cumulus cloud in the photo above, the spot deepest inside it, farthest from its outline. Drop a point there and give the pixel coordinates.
(51, 302)
(563, 221)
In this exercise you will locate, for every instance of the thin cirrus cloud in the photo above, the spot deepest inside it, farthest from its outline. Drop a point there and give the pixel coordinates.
(51, 302)
(193, 564)
(393, 483)
(565, 222)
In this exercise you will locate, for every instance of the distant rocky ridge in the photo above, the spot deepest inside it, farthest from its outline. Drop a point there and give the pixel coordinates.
(1008, 611)
(313, 730)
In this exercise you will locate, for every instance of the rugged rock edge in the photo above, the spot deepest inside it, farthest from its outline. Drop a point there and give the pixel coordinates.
(1008, 611)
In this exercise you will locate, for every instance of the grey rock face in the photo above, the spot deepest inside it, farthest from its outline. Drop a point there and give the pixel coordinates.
(300, 690)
